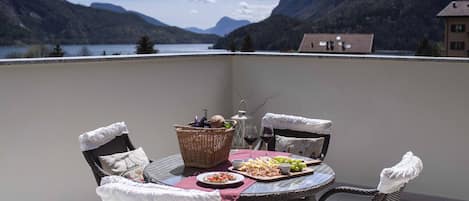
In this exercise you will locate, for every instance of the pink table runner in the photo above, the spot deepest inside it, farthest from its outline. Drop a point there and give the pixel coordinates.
(229, 194)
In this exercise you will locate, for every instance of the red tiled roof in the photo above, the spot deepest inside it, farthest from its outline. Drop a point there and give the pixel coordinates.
(337, 43)
(455, 9)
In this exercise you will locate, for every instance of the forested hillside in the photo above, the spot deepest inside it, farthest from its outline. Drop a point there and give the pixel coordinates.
(58, 21)
(397, 24)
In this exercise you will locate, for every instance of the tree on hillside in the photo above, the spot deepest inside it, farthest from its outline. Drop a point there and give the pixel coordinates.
(57, 51)
(145, 46)
(232, 47)
(426, 48)
(247, 45)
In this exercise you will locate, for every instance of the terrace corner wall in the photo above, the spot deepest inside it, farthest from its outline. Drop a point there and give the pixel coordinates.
(380, 107)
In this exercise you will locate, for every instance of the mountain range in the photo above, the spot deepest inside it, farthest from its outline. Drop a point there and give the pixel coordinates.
(120, 9)
(58, 21)
(397, 24)
(224, 26)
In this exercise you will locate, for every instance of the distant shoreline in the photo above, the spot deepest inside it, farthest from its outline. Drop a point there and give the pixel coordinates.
(89, 44)
(110, 49)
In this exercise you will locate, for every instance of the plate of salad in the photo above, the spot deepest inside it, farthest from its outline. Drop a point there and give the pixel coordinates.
(220, 178)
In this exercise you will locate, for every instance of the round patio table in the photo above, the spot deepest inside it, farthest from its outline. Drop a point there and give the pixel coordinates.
(170, 170)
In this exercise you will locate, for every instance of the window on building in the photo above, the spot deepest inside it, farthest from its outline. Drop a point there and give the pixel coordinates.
(457, 45)
(330, 45)
(458, 28)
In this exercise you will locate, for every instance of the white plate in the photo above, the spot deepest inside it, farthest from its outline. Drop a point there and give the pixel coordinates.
(201, 178)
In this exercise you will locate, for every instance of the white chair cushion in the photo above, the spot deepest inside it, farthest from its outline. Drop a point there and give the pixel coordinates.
(96, 138)
(115, 188)
(128, 164)
(296, 123)
(394, 178)
(309, 147)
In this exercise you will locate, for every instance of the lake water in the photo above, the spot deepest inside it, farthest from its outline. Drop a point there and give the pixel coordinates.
(128, 49)
(124, 49)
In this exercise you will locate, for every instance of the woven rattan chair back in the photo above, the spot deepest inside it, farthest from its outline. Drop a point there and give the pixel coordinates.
(396, 196)
(301, 134)
(119, 144)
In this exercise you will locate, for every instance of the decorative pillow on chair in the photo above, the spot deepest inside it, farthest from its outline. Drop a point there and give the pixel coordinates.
(308, 147)
(128, 164)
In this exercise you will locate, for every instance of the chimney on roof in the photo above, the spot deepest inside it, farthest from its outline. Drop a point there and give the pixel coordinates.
(454, 4)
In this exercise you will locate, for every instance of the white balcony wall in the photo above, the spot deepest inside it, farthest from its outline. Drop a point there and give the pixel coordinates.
(44, 107)
(381, 108)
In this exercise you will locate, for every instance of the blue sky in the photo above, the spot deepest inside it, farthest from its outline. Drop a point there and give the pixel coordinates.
(198, 13)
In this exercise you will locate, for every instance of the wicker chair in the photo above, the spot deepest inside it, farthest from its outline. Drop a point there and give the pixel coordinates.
(374, 194)
(289, 126)
(393, 181)
(114, 141)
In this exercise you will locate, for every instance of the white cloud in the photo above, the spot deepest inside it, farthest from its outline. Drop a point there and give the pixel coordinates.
(194, 11)
(253, 12)
(243, 4)
(244, 9)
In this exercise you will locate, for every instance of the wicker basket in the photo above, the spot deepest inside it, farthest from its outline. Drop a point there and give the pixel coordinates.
(204, 147)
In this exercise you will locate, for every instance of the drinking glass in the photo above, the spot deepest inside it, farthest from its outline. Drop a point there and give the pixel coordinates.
(267, 135)
(251, 136)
